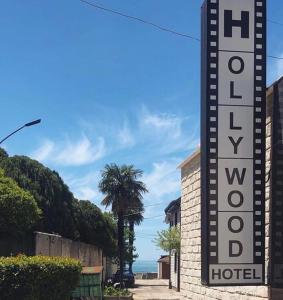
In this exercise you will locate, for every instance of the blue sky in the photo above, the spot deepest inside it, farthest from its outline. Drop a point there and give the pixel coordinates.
(108, 90)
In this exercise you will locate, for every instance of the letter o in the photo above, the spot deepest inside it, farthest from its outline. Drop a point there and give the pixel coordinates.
(232, 68)
(229, 275)
(232, 227)
(231, 201)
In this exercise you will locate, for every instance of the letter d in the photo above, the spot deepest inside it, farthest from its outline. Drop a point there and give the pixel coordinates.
(235, 248)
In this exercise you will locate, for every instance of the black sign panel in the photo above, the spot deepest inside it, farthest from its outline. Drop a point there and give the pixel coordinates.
(233, 141)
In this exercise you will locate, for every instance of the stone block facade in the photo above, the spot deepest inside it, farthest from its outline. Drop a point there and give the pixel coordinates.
(174, 269)
(191, 287)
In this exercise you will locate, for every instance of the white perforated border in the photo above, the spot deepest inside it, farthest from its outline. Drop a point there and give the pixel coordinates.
(259, 134)
(212, 124)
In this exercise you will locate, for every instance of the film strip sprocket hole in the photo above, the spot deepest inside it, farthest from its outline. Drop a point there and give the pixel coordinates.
(213, 121)
(259, 132)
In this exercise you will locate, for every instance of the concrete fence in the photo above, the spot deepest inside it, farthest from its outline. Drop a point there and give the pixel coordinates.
(55, 245)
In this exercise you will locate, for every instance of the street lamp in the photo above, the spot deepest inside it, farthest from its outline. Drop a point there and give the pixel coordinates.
(26, 125)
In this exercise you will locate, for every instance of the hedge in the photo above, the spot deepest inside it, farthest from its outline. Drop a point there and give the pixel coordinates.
(38, 277)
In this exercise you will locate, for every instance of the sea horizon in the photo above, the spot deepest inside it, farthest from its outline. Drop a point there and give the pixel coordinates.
(145, 266)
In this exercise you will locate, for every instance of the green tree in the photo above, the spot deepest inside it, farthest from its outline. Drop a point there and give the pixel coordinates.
(134, 217)
(61, 212)
(18, 209)
(120, 185)
(48, 189)
(96, 228)
(130, 254)
(169, 239)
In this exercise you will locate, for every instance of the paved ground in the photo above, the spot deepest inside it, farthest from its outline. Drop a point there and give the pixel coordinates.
(153, 289)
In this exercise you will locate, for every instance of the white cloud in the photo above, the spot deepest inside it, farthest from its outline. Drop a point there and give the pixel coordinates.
(158, 133)
(164, 124)
(168, 133)
(44, 151)
(164, 179)
(87, 193)
(280, 68)
(275, 70)
(125, 137)
(84, 187)
(164, 185)
(81, 152)
(69, 153)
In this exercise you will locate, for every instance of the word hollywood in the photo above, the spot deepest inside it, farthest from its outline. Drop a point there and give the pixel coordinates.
(233, 141)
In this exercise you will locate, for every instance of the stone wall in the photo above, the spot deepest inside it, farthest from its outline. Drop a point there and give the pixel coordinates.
(191, 287)
(174, 269)
(174, 219)
(55, 245)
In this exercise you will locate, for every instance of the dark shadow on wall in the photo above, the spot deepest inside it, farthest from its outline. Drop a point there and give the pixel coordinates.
(276, 195)
(11, 246)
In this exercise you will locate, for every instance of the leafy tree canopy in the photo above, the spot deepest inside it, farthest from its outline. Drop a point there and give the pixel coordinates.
(18, 209)
(61, 212)
(169, 239)
(51, 194)
(122, 189)
(95, 227)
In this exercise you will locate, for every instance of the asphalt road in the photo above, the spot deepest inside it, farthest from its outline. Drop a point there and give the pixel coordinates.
(153, 289)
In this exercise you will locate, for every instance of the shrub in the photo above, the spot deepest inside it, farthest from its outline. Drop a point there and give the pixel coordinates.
(18, 209)
(38, 277)
(169, 239)
(112, 291)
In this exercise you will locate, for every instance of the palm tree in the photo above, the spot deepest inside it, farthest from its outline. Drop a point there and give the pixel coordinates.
(135, 217)
(121, 185)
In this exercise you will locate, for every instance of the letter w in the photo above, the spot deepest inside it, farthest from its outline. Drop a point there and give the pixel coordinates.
(235, 173)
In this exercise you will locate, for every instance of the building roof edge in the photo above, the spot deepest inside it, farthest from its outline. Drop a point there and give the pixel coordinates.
(190, 158)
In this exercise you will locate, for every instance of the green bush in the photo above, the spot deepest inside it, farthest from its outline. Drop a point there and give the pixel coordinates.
(38, 277)
(112, 291)
(18, 209)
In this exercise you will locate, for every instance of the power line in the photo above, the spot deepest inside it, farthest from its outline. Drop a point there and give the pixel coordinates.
(274, 22)
(138, 232)
(140, 20)
(145, 238)
(274, 57)
(145, 234)
(151, 205)
(139, 212)
(146, 218)
(133, 214)
(155, 217)
(185, 35)
(148, 236)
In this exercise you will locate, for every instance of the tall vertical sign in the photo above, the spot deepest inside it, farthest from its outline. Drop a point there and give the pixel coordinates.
(233, 141)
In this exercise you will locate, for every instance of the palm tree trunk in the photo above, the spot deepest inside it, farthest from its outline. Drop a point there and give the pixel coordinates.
(131, 244)
(121, 246)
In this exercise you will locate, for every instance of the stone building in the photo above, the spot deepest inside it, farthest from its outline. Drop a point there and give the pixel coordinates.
(173, 218)
(190, 282)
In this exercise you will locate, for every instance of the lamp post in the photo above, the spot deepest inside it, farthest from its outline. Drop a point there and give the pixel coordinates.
(26, 125)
